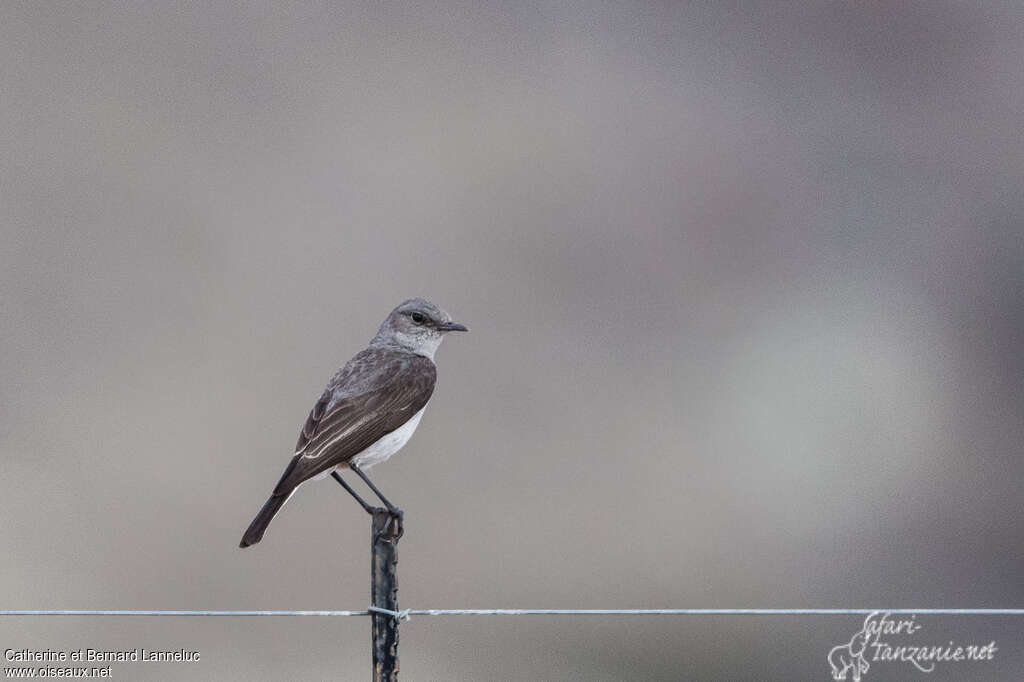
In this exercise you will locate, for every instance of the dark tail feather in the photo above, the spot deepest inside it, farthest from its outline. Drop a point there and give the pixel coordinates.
(282, 491)
(259, 525)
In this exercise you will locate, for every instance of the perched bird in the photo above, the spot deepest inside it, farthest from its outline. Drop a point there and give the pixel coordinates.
(369, 409)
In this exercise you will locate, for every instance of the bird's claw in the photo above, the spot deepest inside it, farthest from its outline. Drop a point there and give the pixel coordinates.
(396, 519)
(394, 525)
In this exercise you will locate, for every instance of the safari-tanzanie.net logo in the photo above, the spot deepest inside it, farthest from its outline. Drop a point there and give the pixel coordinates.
(885, 640)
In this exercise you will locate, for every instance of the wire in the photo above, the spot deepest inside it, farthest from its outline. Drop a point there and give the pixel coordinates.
(406, 612)
(706, 612)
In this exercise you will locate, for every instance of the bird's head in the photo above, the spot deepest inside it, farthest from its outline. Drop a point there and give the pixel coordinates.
(417, 325)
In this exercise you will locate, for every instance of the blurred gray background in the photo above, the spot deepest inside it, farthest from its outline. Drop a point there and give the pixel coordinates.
(745, 289)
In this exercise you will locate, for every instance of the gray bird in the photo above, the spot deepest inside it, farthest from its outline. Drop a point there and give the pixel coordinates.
(369, 409)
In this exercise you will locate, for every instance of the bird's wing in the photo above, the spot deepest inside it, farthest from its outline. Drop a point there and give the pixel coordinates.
(336, 431)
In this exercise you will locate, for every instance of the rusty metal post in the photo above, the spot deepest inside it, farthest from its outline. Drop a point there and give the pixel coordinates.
(384, 535)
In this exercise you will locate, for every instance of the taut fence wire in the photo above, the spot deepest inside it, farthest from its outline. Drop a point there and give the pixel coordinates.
(404, 614)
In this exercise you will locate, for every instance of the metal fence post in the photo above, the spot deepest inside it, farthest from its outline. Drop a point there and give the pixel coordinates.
(384, 595)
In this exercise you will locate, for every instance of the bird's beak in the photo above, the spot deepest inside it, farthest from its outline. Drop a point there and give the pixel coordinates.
(452, 327)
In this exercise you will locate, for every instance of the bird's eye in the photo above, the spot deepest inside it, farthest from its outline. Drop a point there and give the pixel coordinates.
(418, 318)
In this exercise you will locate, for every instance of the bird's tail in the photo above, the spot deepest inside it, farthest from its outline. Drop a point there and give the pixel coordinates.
(259, 525)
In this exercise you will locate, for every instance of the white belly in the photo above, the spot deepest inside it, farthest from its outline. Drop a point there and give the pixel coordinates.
(389, 444)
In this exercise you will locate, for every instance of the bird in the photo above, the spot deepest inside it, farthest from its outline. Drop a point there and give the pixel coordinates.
(369, 409)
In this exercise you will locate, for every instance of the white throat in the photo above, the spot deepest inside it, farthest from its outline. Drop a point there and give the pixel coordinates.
(420, 344)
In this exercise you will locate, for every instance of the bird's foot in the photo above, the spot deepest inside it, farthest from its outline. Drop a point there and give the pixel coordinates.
(393, 526)
(397, 519)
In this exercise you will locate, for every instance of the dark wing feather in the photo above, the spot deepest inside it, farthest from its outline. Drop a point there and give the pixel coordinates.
(333, 434)
(313, 421)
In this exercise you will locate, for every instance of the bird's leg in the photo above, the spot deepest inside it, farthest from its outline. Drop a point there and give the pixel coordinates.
(396, 514)
(337, 477)
(359, 472)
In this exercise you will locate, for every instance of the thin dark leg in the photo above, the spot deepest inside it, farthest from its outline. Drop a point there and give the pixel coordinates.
(396, 513)
(359, 472)
(337, 477)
